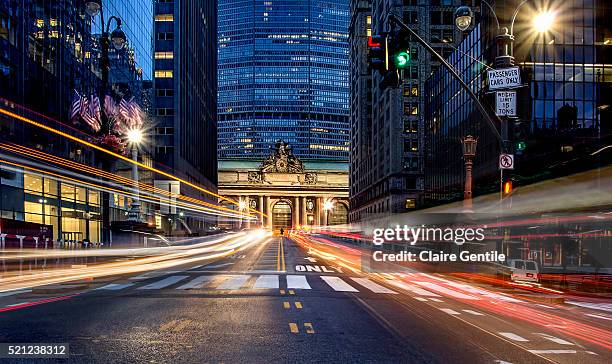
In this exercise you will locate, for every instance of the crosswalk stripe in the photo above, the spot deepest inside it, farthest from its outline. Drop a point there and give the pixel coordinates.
(164, 282)
(266, 281)
(337, 284)
(298, 282)
(449, 311)
(376, 288)
(116, 286)
(234, 282)
(195, 283)
(413, 289)
(444, 290)
(599, 316)
(474, 312)
(513, 336)
(556, 339)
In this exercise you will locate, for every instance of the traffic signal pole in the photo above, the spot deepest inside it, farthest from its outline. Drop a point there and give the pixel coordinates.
(392, 18)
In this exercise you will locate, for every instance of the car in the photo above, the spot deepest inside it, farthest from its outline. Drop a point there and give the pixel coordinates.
(524, 270)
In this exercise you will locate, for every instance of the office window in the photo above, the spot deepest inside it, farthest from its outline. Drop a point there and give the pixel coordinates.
(164, 17)
(163, 73)
(164, 55)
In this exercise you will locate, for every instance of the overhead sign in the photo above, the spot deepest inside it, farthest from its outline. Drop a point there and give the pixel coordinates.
(505, 103)
(506, 161)
(504, 78)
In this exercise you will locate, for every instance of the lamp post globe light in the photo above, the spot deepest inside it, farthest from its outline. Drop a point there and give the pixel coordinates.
(463, 17)
(92, 8)
(328, 205)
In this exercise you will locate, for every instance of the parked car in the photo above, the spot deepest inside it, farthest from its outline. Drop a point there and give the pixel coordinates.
(524, 270)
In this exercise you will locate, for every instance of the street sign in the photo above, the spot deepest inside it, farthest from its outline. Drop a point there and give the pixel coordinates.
(506, 161)
(505, 103)
(503, 78)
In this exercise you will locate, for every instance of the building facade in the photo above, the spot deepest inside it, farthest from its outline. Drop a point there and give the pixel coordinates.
(49, 49)
(185, 82)
(283, 74)
(562, 115)
(387, 161)
(289, 193)
(563, 126)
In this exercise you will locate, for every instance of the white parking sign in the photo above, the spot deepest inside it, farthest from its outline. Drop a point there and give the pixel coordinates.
(506, 161)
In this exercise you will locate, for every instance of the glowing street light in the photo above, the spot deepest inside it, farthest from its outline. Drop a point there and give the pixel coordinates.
(242, 205)
(135, 137)
(328, 205)
(544, 21)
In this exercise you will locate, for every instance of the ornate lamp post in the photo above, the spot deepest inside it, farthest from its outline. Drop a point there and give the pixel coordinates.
(135, 137)
(328, 205)
(469, 152)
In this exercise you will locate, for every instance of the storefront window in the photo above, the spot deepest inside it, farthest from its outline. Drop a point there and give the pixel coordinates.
(81, 195)
(94, 198)
(68, 192)
(32, 184)
(33, 212)
(50, 187)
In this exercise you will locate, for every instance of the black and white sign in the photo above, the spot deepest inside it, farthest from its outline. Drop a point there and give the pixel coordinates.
(505, 103)
(504, 78)
(506, 161)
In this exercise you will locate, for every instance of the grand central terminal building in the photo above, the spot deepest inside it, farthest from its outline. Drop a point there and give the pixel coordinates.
(292, 193)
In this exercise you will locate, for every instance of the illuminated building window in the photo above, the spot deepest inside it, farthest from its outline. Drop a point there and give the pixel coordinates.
(410, 203)
(164, 17)
(164, 55)
(163, 73)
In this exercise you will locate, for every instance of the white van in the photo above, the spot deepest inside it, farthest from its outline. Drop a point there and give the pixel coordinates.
(524, 270)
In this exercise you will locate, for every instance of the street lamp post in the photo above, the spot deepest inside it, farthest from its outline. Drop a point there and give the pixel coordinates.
(92, 8)
(134, 137)
(469, 152)
(328, 205)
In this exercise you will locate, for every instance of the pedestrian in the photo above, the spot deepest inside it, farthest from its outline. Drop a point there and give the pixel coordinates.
(282, 231)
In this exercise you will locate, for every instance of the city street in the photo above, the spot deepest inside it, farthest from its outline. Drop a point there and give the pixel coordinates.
(275, 302)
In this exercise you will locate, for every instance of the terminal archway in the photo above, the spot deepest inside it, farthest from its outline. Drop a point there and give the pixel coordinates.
(338, 214)
(281, 215)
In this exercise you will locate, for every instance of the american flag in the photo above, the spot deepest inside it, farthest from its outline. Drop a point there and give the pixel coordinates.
(76, 107)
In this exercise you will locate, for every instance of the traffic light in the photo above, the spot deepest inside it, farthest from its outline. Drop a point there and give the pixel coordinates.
(399, 48)
(377, 53)
(507, 187)
(520, 146)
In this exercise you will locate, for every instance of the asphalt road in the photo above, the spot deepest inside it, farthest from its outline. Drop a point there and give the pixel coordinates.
(275, 303)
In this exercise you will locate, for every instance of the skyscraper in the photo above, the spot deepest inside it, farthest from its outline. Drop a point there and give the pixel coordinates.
(283, 74)
(185, 82)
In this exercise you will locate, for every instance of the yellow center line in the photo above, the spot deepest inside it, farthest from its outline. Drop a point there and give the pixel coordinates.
(278, 257)
(294, 327)
(283, 254)
(309, 328)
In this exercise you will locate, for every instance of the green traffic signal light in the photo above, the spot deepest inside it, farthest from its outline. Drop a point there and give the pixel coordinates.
(521, 145)
(402, 59)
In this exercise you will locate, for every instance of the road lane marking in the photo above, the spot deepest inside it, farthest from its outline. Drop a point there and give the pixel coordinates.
(282, 292)
(234, 282)
(420, 299)
(298, 282)
(449, 311)
(291, 291)
(164, 282)
(474, 312)
(446, 291)
(337, 284)
(309, 328)
(278, 264)
(435, 299)
(513, 336)
(475, 290)
(598, 316)
(555, 339)
(541, 305)
(376, 288)
(266, 281)
(552, 351)
(115, 286)
(282, 248)
(298, 305)
(196, 282)
(141, 277)
(294, 328)
(286, 305)
(595, 306)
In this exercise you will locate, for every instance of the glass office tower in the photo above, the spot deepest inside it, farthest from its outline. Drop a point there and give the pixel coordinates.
(283, 74)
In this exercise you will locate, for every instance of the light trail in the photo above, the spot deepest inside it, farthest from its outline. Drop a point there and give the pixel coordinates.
(213, 250)
(129, 183)
(124, 158)
(199, 209)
